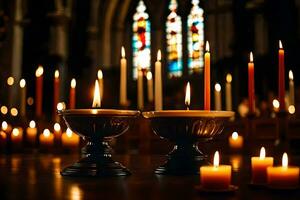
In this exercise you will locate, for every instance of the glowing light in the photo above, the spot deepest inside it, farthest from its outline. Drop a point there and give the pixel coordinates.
(46, 132)
(217, 87)
(149, 76)
(15, 132)
(14, 112)
(291, 75)
(235, 136)
(228, 78)
(4, 125)
(10, 81)
(159, 55)
(207, 46)
(187, 94)
(262, 154)
(4, 110)
(73, 83)
(32, 124)
(61, 106)
(292, 109)
(251, 57)
(69, 132)
(285, 161)
(123, 52)
(100, 74)
(97, 98)
(276, 104)
(30, 101)
(39, 71)
(56, 74)
(57, 127)
(22, 83)
(280, 45)
(216, 159)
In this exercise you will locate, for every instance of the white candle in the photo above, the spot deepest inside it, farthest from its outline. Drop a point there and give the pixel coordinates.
(158, 83)
(123, 79)
(23, 97)
(101, 84)
(218, 102)
(228, 92)
(292, 88)
(140, 89)
(150, 86)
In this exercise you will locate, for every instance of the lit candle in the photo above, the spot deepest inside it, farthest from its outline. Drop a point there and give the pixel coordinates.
(251, 89)
(207, 78)
(150, 86)
(57, 132)
(69, 139)
(6, 127)
(73, 94)
(140, 89)
(39, 91)
(259, 167)
(276, 105)
(23, 97)
(217, 177)
(31, 132)
(17, 136)
(4, 110)
(158, 83)
(3, 139)
(101, 84)
(292, 88)
(228, 92)
(55, 93)
(281, 79)
(97, 96)
(14, 112)
(46, 138)
(123, 79)
(236, 141)
(218, 100)
(187, 99)
(284, 176)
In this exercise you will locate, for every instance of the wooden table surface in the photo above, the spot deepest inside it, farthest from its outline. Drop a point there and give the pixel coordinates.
(38, 177)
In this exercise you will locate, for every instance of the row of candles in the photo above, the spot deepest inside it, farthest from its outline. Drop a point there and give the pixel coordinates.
(68, 139)
(218, 177)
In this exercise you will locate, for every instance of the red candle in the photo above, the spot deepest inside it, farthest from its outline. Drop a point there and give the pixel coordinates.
(72, 93)
(56, 92)
(281, 81)
(251, 90)
(39, 91)
(207, 78)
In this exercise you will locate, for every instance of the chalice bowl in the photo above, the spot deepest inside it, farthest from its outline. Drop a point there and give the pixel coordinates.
(97, 127)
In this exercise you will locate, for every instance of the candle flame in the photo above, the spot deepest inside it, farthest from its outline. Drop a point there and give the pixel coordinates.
(15, 132)
(32, 124)
(14, 112)
(123, 52)
(285, 160)
(188, 95)
(39, 71)
(280, 45)
(159, 55)
(73, 83)
(22, 83)
(56, 74)
(276, 104)
(61, 106)
(207, 46)
(251, 57)
(228, 78)
(235, 135)
(149, 75)
(217, 87)
(216, 159)
(4, 110)
(97, 97)
(46, 132)
(69, 132)
(291, 75)
(262, 153)
(100, 74)
(4, 125)
(292, 109)
(10, 81)
(56, 127)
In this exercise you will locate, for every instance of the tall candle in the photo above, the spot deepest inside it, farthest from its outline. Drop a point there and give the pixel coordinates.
(123, 79)
(31, 132)
(57, 132)
(216, 177)
(73, 94)
(281, 79)
(158, 83)
(292, 88)
(46, 138)
(56, 85)
(259, 167)
(284, 176)
(149, 86)
(23, 97)
(251, 89)
(218, 99)
(39, 91)
(228, 92)
(69, 139)
(207, 78)
(140, 89)
(101, 84)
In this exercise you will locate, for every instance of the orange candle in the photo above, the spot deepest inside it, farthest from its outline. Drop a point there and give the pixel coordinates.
(236, 141)
(259, 167)
(46, 139)
(72, 94)
(55, 92)
(281, 79)
(123, 78)
(70, 139)
(17, 136)
(207, 78)
(251, 89)
(284, 176)
(217, 177)
(31, 132)
(39, 91)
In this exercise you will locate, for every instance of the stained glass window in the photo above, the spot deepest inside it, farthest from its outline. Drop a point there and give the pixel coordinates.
(174, 41)
(195, 38)
(141, 39)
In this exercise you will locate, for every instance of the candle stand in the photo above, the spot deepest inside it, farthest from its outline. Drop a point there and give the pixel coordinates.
(186, 129)
(97, 127)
